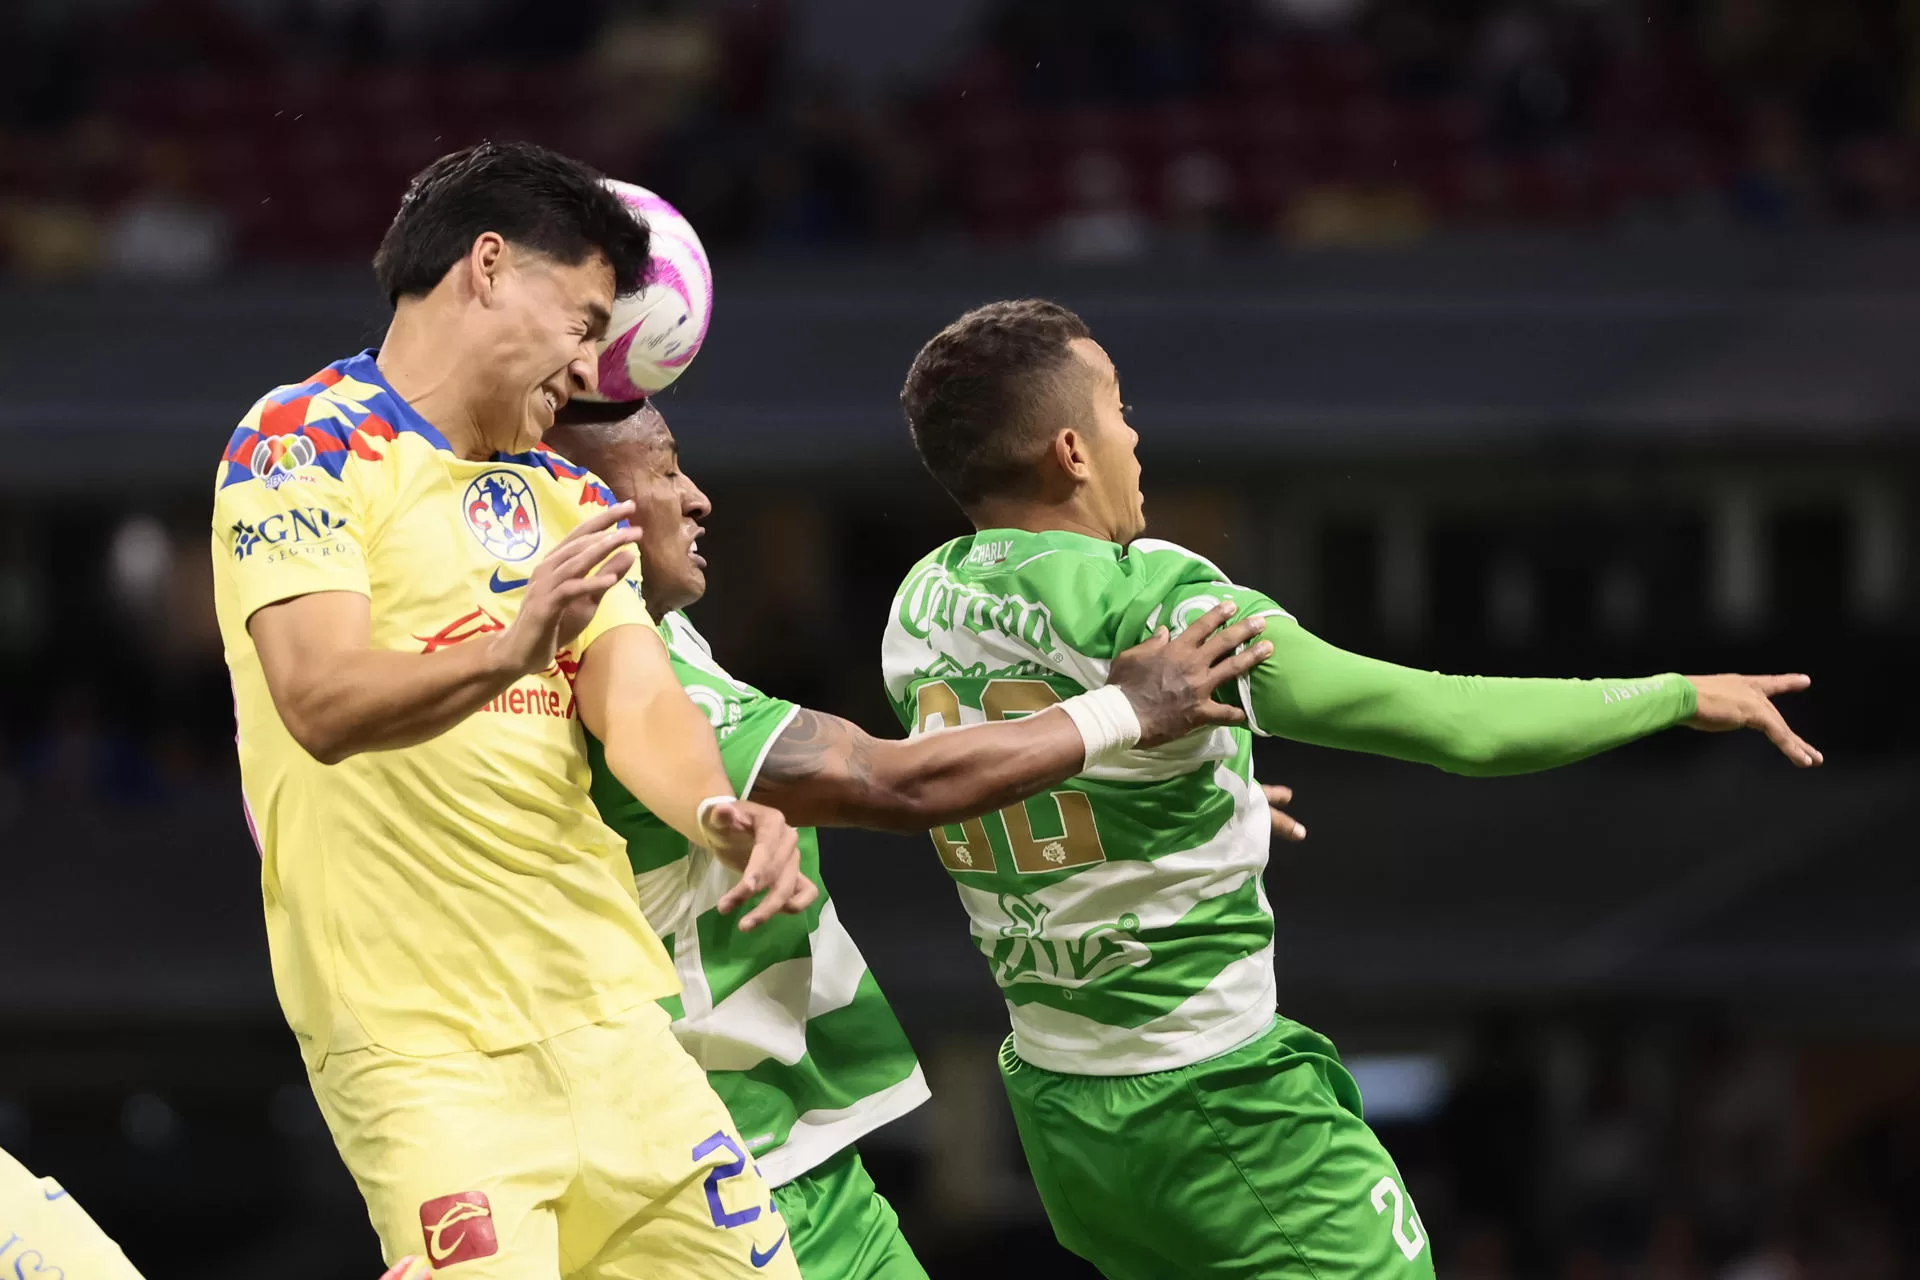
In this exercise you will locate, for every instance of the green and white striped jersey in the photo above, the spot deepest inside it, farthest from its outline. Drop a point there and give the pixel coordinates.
(1123, 913)
(787, 1022)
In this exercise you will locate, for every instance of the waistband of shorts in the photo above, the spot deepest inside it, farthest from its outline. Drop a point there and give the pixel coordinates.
(1011, 1063)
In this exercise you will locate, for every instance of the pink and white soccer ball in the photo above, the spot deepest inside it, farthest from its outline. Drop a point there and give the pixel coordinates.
(656, 332)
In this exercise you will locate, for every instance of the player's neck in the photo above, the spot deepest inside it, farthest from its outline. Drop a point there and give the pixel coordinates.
(428, 372)
(1040, 517)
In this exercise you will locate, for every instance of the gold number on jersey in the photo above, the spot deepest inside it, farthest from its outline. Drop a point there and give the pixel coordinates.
(963, 847)
(1078, 840)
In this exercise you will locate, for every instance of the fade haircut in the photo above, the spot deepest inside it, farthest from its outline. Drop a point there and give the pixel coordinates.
(530, 196)
(588, 433)
(985, 395)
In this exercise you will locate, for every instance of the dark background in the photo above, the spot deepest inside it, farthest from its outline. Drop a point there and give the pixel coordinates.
(1556, 336)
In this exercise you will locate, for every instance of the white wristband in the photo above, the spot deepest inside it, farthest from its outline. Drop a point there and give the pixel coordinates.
(1106, 722)
(707, 806)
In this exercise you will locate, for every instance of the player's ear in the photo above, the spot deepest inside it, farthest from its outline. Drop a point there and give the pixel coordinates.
(1070, 453)
(485, 261)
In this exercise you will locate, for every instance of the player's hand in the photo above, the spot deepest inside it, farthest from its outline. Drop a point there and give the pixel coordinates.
(757, 842)
(1285, 825)
(409, 1269)
(1170, 682)
(1744, 702)
(565, 589)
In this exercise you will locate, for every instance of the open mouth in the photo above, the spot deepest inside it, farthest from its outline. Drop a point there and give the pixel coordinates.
(693, 550)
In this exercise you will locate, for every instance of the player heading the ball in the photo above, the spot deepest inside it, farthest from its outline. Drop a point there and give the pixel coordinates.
(424, 610)
(1175, 1125)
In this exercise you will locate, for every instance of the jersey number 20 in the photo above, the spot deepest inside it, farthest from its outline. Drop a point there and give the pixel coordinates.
(966, 847)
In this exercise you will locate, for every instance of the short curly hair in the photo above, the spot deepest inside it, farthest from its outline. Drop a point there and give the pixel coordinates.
(529, 196)
(981, 396)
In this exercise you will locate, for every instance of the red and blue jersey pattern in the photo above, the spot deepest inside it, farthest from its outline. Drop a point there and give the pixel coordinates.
(592, 492)
(348, 410)
(345, 409)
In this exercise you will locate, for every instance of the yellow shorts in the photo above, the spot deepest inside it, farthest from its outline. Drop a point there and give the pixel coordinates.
(599, 1153)
(43, 1231)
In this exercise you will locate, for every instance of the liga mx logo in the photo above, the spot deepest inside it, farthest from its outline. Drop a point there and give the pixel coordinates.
(500, 511)
(276, 458)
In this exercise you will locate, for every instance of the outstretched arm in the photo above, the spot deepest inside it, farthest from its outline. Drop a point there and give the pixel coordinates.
(825, 772)
(1488, 726)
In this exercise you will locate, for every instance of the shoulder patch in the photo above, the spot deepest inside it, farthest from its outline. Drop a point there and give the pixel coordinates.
(315, 423)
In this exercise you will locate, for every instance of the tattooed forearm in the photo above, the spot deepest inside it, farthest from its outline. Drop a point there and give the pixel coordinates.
(824, 771)
(818, 746)
(821, 771)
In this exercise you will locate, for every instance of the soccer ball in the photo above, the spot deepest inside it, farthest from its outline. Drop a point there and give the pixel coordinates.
(656, 332)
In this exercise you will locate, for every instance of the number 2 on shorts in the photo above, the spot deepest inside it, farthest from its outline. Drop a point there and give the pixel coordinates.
(720, 1173)
(1403, 1220)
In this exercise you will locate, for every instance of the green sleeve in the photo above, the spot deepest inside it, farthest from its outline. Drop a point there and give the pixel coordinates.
(1483, 726)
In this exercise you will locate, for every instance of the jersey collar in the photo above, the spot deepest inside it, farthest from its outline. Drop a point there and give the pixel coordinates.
(1026, 541)
(404, 417)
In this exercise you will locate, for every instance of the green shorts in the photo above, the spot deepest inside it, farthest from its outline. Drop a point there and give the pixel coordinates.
(842, 1227)
(1252, 1164)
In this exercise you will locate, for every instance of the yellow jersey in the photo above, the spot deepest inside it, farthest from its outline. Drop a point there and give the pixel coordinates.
(461, 894)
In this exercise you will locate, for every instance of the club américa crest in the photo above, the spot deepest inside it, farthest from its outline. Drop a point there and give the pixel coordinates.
(499, 510)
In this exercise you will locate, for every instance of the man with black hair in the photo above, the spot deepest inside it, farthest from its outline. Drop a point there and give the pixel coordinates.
(792, 1029)
(423, 611)
(1175, 1125)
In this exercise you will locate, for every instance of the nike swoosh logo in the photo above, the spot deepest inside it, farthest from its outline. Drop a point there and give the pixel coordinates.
(760, 1259)
(499, 583)
(56, 1193)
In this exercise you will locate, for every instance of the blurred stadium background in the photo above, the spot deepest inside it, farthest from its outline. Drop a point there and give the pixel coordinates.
(1528, 336)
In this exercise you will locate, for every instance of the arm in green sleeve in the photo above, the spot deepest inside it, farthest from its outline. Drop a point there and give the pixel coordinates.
(1482, 726)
